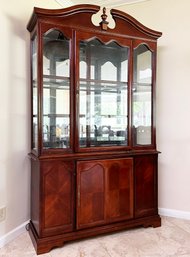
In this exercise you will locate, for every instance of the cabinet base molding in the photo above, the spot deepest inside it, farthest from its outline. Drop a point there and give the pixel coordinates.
(45, 244)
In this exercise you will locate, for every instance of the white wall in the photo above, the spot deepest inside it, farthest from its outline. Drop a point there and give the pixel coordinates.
(173, 96)
(15, 109)
(173, 104)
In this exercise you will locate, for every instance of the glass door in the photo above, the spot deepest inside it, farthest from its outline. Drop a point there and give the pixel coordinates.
(56, 90)
(34, 95)
(142, 96)
(103, 94)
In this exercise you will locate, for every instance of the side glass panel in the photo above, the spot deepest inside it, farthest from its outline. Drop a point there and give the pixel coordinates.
(142, 96)
(34, 95)
(103, 94)
(56, 90)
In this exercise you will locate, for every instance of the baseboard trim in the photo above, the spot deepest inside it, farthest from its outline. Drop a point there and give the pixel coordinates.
(13, 234)
(174, 213)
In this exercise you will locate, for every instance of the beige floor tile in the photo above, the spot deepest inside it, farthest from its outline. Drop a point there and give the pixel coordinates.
(172, 239)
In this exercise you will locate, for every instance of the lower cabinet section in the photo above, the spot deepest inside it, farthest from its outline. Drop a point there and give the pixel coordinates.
(74, 199)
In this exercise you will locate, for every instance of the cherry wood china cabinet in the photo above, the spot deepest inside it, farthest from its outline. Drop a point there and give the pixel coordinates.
(93, 156)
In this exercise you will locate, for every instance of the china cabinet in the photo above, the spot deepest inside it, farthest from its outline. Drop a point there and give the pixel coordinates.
(93, 154)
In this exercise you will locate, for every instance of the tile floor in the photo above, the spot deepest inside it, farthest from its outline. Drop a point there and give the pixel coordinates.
(170, 240)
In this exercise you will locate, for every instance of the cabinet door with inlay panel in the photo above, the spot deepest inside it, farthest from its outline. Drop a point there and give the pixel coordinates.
(90, 193)
(57, 186)
(119, 189)
(145, 185)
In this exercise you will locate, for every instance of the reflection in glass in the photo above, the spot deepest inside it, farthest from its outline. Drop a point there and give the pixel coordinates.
(35, 94)
(103, 75)
(56, 90)
(142, 96)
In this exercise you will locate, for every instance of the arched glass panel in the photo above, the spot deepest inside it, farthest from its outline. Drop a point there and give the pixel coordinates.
(142, 96)
(56, 90)
(103, 94)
